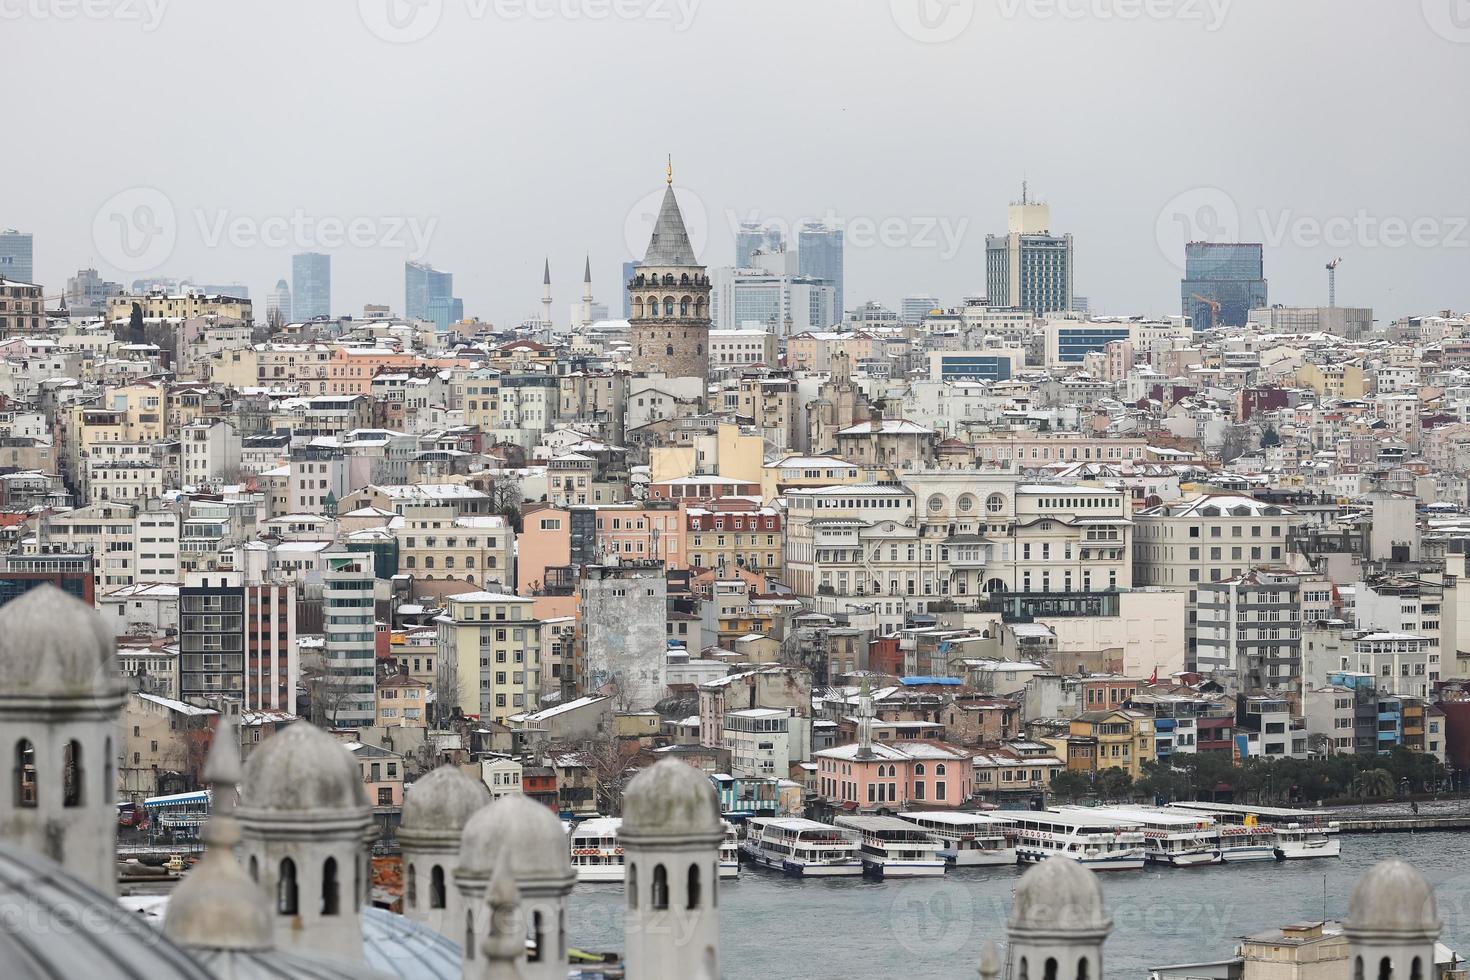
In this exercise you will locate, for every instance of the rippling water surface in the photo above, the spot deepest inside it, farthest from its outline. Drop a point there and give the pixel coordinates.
(773, 927)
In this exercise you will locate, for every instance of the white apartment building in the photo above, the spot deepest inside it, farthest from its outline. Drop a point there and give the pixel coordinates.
(1207, 538)
(759, 741)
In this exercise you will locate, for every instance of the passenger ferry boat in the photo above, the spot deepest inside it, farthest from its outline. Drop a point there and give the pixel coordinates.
(892, 848)
(1175, 838)
(799, 847)
(1096, 840)
(1239, 842)
(1297, 833)
(730, 852)
(966, 839)
(596, 853)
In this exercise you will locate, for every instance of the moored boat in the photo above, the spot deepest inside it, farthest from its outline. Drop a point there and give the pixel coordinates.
(892, 848)
(966, 839)
(799, 847)
(1097, 840)
(596, 853)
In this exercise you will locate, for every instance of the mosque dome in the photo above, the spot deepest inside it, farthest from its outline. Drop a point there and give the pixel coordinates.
(533, 835)
(1393, 898)
(442, 802)
(1058, 897)
(671, 797)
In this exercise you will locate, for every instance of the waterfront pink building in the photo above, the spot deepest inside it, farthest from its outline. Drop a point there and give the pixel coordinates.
(892, 777)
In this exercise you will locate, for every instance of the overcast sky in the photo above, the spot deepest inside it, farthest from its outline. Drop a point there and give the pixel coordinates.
(211, 140)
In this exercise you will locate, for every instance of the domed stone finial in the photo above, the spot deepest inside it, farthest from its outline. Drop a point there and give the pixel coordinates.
(989, 962)
(1058, 896)
(670, 797)
(1392, 900)
(55, 646)
(218, 906)
(504, 945)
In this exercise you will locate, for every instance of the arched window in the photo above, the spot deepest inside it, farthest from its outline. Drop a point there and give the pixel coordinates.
(714, 885)
(71, 774)
(995, 503)
(1082, 969)
(286, 893)
(25, 774)
(660, 897)
(693, 888)
(669, 350)
(684, 306)
(1416, 972)
(632, 887)
(411, 886)
(331, 900)
(469, 935)
(436, 887)
(538, 938)
(1385, 969)
(1051, 969)
(939, 769)
(108, 789)
(254, 869)
(669, 306)
(1024, 973)
(918, 769)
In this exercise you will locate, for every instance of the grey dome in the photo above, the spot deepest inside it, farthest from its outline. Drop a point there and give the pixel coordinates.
(82, 933)
(534, 835)
(1058, 896)
(1392, 898)
(398, 946)
(671, 797)
(276, 964)
(53, 645)
(218, 907)
(301, 769)
(443, 801)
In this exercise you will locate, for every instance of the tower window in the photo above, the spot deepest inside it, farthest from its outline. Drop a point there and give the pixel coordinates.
(632, 886)
(71, 772)
(693, 887)
(25, 774)
(411, 886)
(331, 900)
(286, 891)
(436, 887)
(660, 897)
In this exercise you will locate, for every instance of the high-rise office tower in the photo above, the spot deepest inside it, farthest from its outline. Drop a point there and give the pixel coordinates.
(1028, 267)
(16, 260)
(425, 289)
(819, 256)
(752, 236)
(670, 300)
(1223, 282)
(87, 292)
(916, 307)
(278, 305)
(311, 285)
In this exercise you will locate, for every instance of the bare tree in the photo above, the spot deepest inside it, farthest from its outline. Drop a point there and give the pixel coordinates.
(607, 762)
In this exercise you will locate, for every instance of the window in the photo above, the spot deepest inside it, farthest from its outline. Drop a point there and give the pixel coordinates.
(286, 893)
(660, 896)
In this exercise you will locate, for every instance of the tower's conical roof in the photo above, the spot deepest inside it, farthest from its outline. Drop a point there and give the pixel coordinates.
(670, 242)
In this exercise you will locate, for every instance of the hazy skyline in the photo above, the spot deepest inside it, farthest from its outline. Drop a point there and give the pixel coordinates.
(483, 135)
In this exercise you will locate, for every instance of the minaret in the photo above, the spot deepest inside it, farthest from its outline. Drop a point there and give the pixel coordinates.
(671, 836)
(1057, 924)
(546, 321)
(435, 812)
(1392, 924)
(669, 300)
(587, 293)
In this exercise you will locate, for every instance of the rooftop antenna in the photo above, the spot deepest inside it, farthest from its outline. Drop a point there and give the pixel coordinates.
(1023, 191)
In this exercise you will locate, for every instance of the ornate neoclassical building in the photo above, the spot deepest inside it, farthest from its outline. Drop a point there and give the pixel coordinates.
(669, 300)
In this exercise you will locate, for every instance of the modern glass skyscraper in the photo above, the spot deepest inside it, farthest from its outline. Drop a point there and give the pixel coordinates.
(425, 288)
(819, 254)
(752, 235)
(914, 308)
(1231, 274)
(278, 306)
(16, 260)
(311, 285)
(628, 268)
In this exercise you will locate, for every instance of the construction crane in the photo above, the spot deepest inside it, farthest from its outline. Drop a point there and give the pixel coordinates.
(1332, 281)
(1213, 304)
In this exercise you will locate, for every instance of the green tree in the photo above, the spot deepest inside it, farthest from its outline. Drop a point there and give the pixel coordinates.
(1114, 784)
(1373, 784)
(1070, 785)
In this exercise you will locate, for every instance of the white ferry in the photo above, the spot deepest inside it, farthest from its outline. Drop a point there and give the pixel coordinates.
(799, 847)
(892, 848)
(1097, 840)
(1298, 833)
(966, 839)
(596, 853)
(730, 852)
(1239, 842)
(1171, 837)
